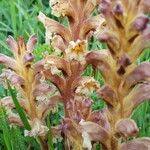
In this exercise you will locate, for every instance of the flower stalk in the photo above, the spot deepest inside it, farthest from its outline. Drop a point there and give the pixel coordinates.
(124, 27)
(23, 75)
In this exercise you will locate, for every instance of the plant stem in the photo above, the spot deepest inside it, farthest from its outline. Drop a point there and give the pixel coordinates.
(43, 144)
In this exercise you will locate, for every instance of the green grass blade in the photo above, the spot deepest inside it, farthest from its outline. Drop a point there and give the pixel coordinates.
(5, 128)
(19, 108)
(18, 139)
(50, 138)
(13, 17)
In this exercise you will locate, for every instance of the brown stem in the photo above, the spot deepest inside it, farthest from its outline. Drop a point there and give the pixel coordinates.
(43, 144)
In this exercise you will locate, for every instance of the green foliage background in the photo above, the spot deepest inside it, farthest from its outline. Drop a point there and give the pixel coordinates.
(19, 18)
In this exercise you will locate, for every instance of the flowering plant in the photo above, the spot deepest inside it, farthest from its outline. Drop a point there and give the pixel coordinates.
(59, 78)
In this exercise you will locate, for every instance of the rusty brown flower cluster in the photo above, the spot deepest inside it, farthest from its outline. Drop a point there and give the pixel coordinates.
(124, 26)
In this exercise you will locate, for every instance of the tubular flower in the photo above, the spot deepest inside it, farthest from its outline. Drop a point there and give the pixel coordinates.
(26, 78)
(77, 51)
(13, 118)
(73, 42)
(112, 63)
(86, 141)
(87, 86)
(48, 37)
(83, 126)
(37, 129)
(127, 83)
(52, 66)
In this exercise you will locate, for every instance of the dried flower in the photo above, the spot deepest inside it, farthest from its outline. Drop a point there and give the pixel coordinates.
(59, 7)
(37, 129)
(51, 65)
(77, 51)
(86, 141)
(87, 86)
(48, 36)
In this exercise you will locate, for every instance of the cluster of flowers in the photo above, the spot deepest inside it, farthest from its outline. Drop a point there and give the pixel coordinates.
(123, 25)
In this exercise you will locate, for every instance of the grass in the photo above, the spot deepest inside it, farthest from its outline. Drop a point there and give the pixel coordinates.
(19, 18)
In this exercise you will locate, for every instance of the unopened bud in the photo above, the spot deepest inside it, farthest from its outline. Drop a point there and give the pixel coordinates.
(104, 37)
(125, 60)
(118, 9)
(127, 127)
(104, 6)
(28, 57)
(140, 23)
(31, 43)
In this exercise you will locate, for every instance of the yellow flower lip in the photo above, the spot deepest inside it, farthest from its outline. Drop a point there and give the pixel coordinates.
(87, 86)
(77, 50)
(90, 84)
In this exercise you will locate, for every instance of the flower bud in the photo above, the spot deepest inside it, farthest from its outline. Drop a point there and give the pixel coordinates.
(31, 43)
(104, 6)
(125, 60)
(28, 57)
(127, 127)
(21, 43)
(140, 23)
(118, 9)
(12, 44)
(104, 37)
